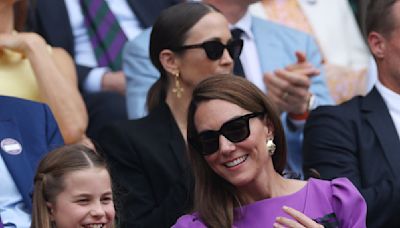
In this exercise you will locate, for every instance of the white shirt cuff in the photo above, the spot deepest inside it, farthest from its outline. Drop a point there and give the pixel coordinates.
(94, 78)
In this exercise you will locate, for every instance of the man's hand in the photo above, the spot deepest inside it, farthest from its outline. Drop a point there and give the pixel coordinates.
(114, 81)
(288, 87)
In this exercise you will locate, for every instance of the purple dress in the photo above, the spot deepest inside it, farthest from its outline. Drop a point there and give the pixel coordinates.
(335, 203)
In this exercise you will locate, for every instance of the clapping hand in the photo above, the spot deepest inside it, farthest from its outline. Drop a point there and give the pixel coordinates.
(288, 87)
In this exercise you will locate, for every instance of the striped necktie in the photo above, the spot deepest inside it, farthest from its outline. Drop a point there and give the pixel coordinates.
(106, 36)
(237, 67)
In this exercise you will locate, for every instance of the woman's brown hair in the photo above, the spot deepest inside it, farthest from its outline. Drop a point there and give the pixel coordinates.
(20, 14)
(211, 190)
(170, 32)
(49, 178)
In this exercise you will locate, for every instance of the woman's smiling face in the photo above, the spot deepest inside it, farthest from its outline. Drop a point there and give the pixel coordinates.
(243, 163)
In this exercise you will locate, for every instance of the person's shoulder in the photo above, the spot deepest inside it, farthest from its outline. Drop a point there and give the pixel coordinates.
(139, 45)
(319, 183)
(142, 128)
(348, 108)
(189, 221)
(276, 29)
(14, 102)
(337, 187)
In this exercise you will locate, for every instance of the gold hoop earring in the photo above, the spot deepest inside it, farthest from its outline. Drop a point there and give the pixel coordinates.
(271, 147)
(178, 90)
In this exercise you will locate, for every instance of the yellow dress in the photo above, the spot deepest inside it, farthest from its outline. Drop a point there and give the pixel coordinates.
(17, 78)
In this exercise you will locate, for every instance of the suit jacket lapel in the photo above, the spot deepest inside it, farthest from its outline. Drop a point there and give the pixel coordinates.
(377, 114)
(172, 133)
(55, 15)
(17, 164)
(177, 142)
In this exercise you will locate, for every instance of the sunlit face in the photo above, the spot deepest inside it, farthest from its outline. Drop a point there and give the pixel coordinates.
(86, 201)
(243, 163)
(194, 65)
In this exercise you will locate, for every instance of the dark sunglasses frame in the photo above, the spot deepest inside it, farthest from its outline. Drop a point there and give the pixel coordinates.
(215, 49)
(207, 142)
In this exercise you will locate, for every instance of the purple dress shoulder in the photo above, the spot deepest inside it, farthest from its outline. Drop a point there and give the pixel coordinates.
(335, 203)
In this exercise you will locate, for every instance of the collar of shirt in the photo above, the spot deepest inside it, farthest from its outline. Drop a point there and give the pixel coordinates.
(391, 99)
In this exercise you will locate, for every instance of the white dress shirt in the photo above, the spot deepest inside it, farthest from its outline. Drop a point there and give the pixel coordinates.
(84, 54)
(249, 56)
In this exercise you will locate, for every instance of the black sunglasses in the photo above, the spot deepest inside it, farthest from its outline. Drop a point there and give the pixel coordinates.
(215, 49)
(235, 130)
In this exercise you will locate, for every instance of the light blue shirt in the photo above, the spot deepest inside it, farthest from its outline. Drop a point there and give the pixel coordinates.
(84, 54)
(12, 212)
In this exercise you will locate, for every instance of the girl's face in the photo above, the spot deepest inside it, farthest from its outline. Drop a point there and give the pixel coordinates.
(85, 202)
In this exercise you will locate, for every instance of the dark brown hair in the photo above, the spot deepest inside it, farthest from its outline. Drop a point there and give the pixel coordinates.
(49, 178)
(380, 17)
(211, 190)
(169, 32)
(20, 14)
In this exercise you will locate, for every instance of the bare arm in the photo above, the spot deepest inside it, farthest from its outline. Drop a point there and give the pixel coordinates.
(56, 78)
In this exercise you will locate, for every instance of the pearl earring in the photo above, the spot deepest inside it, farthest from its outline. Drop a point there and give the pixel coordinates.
(271, 147)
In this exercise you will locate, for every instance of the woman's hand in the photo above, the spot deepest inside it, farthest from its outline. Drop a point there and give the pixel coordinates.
(301, 220)
(22, 42)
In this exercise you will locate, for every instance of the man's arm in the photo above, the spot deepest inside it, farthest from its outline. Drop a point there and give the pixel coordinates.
(140, 74)
(331, 147)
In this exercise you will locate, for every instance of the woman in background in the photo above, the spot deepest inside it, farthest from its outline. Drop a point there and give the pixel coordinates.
(237, 150)
(32, 70)
(72, 189)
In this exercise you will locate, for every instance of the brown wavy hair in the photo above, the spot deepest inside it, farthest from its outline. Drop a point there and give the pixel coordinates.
(211, 190)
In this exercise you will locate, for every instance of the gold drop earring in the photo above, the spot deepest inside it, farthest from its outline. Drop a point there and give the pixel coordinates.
(178, 90)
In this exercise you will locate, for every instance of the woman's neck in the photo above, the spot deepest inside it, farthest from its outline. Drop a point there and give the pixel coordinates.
(6, 17)
(268, 185)
(179, 108)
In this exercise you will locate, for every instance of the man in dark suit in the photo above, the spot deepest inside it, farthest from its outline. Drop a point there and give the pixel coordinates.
(62, 24)
(27, 131)
(360, 138)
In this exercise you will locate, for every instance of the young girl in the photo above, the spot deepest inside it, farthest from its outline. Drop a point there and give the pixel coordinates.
(72, 189)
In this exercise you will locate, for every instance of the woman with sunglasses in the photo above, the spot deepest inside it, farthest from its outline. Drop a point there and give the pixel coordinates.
(238, 152)
(189, 42)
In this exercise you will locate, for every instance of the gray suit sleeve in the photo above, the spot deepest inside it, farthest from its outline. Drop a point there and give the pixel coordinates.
(140, 74)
